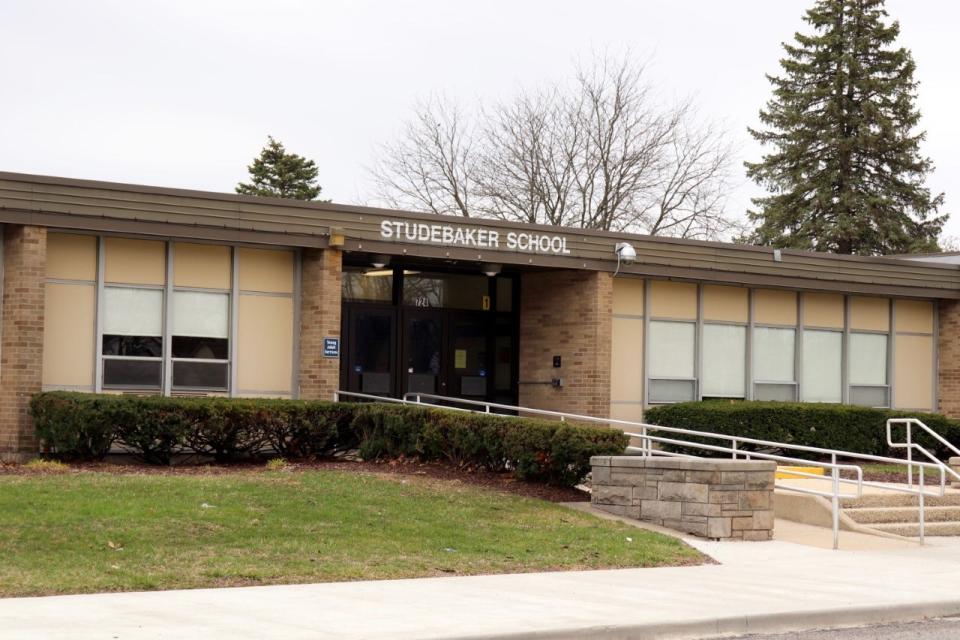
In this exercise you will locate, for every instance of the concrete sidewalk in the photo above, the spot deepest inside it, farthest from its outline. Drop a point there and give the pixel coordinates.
(757, 587)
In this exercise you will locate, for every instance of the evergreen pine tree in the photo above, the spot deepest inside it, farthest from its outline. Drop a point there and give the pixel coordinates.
(845, 173)
(280, 174)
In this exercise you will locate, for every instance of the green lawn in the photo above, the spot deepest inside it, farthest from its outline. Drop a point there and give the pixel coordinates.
(87, 532)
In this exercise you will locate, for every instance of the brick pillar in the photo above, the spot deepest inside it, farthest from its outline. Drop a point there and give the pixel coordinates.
(21, 336)
(319, 319)
(948, 348)
(569, 314)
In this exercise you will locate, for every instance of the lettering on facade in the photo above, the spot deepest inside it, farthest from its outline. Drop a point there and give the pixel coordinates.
(475, 238)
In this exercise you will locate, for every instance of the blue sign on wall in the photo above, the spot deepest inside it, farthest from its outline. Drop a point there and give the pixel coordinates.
(331, 347)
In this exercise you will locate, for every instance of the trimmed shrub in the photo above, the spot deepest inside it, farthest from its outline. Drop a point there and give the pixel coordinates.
(156, 428)
(73, 426)
(829, 426)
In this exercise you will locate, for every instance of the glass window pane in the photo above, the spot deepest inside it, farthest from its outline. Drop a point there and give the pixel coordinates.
(205, 348)
(868, 358)
(869, 396)
(778, 392)
(821, 366)
(672, 390)
(448, 290)
(724, 360)
(143, 346)
(367, 285)
(671, 349)
(200, 375)
(201, 314)
(132, 312)
(773, 354)
(504, 294)
(139, 374)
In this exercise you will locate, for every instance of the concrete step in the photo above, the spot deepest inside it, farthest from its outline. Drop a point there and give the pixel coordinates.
(904, 515)
(899, 500)
(951, 528)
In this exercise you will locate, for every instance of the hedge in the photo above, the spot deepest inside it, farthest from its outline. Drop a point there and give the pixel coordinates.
(830, 426)
(82, 426)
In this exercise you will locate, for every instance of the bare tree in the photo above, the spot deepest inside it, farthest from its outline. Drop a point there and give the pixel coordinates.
(695, 181)
(431, 166)
(599, 153)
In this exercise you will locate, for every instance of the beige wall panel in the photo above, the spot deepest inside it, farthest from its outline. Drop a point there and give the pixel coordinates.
(132, 261)
(914, 316)
(913, 372)
(68, 334)
(201, 265)
(729, 304)
(775, 306)
(870, 314)
(823, 310)
(628, 296)
(264, 344)
(673, 300)
(632, 412)
(626, 367)
(266, 270)
(71, 256)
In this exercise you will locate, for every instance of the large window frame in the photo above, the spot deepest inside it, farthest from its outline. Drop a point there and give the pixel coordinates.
(851, 391)
(169, 290)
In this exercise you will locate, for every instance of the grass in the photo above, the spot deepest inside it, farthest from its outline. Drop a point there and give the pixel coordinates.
(90, 532)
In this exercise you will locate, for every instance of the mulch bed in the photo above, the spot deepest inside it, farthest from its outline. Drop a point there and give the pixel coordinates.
(503, 482)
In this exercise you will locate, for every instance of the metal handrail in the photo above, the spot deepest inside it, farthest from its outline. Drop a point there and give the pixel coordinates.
(647, 440)
(910, 446)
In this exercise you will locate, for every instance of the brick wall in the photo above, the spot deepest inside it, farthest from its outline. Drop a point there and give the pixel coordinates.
(566, 313)
(948, 374)
(319, 318)
(21, 336)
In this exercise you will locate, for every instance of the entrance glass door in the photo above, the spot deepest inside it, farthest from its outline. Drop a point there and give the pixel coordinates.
(424, 364)
(469, 350)
(370, 350)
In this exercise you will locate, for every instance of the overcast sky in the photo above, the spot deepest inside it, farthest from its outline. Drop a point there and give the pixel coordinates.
(184, 93)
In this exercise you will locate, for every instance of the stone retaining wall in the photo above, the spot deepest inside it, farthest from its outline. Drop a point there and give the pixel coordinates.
(720, 499)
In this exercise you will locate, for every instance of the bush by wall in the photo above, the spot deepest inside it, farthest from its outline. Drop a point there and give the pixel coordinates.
(82, 426)
(830, 426)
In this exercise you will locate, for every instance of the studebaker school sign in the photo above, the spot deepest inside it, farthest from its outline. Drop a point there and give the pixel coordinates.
(475, 238)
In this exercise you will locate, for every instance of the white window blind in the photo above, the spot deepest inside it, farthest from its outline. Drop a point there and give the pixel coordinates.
(822, 357)
(201, 314)
(868, 358)
(773, 354)
(724, 360)
(132, 312)
(672, 349)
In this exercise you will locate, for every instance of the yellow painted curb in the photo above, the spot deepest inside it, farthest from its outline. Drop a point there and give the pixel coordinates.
(784, 472)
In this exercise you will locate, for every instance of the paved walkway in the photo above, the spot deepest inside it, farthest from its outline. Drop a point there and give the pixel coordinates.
(757, 587)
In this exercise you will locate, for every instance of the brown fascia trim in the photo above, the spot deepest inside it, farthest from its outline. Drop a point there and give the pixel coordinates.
(427, 217)
(320, 239)
(160, 229)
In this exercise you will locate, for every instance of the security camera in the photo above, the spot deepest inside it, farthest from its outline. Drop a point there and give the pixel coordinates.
(626, 253)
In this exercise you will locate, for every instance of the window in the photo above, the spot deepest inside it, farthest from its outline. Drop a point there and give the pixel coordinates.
(773, 364)
(367, 285)
(724, 360)
(672, 347)
(132, 346)
(822, 357)
(446, 290)
(200, 348)
(867, 357)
